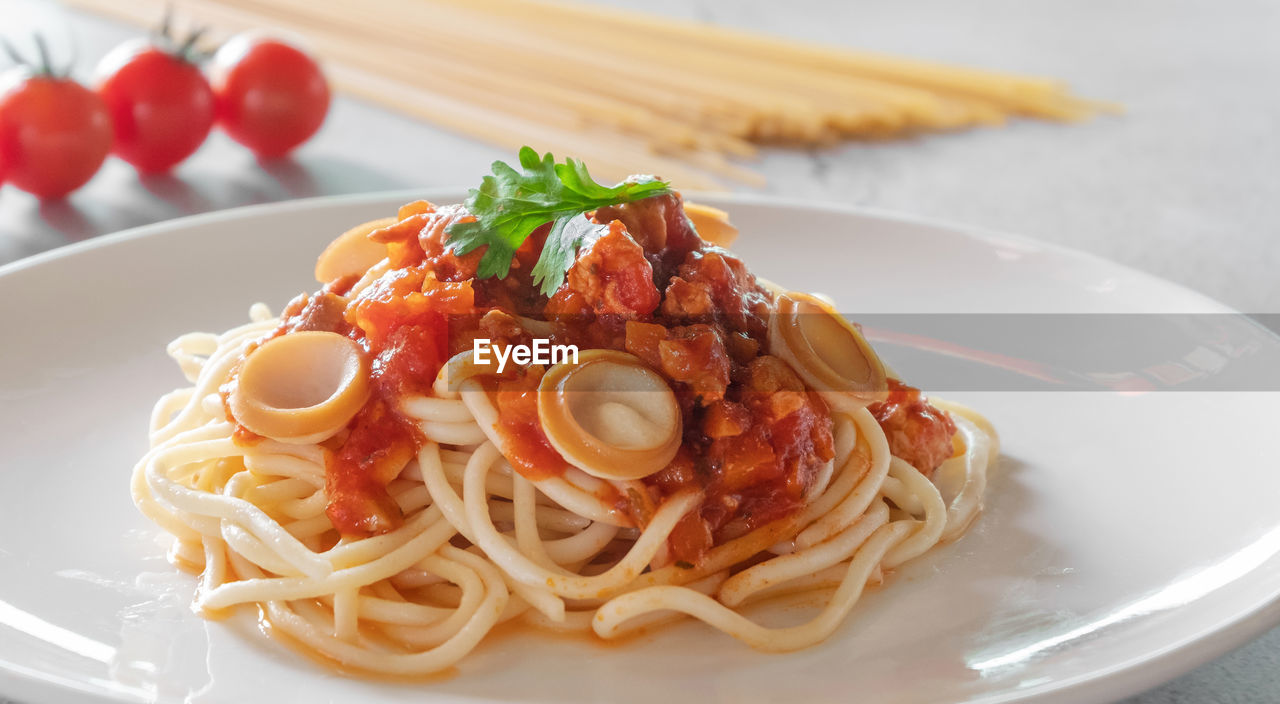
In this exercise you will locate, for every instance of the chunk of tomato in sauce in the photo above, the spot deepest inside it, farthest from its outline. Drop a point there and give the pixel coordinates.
(612, 276)
(528, 449)
(380, 443)
(713, 286)
(754, 455)
(917, 431)
(692, 355)
(401, 237)
(660, 226)
(404, 297)
(404, 320)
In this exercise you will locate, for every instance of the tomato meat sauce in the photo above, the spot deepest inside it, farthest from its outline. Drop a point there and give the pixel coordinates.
(754, 438)
(917, 432)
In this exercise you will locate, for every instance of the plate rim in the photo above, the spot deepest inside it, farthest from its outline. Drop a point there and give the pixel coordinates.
(1120, 680)
(984, 233)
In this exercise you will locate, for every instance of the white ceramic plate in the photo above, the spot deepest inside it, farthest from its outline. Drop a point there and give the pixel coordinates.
(1126, 539)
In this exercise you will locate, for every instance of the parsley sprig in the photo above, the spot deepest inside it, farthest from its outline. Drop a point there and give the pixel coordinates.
(510, 205)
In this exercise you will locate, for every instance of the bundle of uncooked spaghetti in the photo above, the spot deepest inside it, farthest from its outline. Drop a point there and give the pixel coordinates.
(683, 99)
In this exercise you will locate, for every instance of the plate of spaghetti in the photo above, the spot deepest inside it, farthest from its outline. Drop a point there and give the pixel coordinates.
(460, 442)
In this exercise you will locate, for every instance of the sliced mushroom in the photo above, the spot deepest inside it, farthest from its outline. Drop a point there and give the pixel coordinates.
(610, 415)
(826, 350)
(712, 224)
(352, 253)
(301, 387)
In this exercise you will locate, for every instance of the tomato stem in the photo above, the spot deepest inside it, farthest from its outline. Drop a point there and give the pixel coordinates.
(42, 50)
(44, 65)
(188, 51)
(163, 32)
(12, 51)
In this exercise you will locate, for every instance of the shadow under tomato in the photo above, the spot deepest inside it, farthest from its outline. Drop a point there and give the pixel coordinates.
(317, 176)
(176, 192)
(67, 219)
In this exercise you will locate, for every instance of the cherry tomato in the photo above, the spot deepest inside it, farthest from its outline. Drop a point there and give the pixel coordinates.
(161, 106)
(271, 96)
(54, 132)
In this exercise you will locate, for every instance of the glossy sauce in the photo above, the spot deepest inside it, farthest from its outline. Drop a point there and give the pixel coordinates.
(528, 448)
(334, 665)
(917, 432)
(754, 438)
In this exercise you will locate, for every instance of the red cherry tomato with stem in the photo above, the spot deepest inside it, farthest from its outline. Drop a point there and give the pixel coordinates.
(271, 97)
(161, 106)
(54, 132)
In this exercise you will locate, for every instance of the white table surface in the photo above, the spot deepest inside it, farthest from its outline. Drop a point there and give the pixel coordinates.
(1182, 186)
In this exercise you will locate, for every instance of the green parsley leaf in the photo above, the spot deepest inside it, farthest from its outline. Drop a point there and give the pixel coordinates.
(561, 249)
(509, 205)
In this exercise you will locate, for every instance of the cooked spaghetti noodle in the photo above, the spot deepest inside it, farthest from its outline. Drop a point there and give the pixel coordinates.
(393, 540)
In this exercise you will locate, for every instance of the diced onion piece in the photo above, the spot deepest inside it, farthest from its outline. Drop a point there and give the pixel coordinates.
(712, 224)
(826, 350)
(352, 253)
(301, 387)
(610, 415)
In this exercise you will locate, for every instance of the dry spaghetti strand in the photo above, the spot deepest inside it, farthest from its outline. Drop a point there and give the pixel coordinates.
(672, 97)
